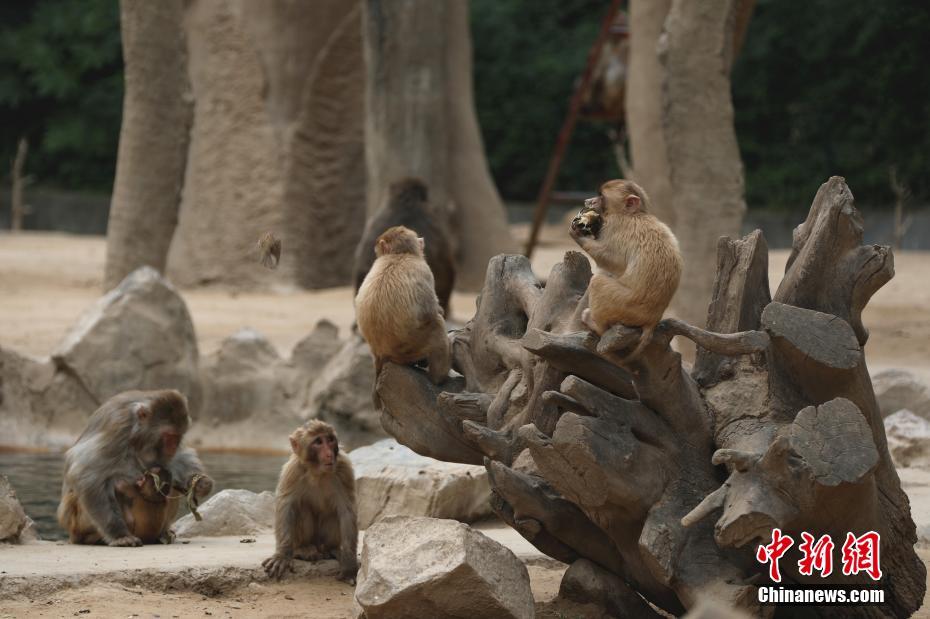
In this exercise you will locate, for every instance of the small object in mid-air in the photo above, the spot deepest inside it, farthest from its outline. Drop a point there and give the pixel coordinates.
(269, 250)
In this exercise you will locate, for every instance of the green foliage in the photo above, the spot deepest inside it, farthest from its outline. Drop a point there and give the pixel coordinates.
(61, 86)
(527, 56)
(830, 87)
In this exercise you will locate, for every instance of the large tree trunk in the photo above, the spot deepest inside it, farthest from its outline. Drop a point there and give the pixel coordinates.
(276, 142)
(420, 121)
(680, 115)
(666, 479)
(313, 66)
(153, 138)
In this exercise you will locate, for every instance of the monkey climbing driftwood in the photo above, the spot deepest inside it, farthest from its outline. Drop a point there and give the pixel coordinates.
(666, 478)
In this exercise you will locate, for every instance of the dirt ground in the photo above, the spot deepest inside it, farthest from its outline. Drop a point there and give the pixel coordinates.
(318, 598)
(47, 280)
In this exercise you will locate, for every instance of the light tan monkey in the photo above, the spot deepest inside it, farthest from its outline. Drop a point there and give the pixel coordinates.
(397, 310)
(315, 504)
(639, 263)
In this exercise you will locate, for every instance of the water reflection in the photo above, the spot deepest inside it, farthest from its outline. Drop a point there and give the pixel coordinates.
(37, 480)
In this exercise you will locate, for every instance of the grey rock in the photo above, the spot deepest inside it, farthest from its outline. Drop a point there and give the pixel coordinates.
(342, 394)
(899, 389)
(230, 512)
(13, 519)
(137, 336)
(40, 403)
(908, 439)
(426, 567)
(392, 480)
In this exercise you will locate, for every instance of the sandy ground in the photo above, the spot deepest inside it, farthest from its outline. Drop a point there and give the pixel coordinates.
(178, 580)
(47, 280)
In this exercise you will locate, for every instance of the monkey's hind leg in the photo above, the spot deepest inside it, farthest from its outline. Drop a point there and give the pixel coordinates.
(439, 357)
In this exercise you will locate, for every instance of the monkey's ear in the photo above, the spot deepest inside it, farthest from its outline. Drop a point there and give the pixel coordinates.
(421, 243)
(142, 411)
(632, 204)
(294, 444)
(382, 246)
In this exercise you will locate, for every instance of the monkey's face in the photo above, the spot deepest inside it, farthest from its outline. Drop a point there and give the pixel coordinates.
(323, 451)
(587, 223)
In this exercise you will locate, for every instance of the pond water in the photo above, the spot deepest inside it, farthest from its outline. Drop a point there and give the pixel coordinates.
(36, 477)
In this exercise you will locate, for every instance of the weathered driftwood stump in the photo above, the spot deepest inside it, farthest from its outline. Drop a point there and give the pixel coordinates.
(667, 479)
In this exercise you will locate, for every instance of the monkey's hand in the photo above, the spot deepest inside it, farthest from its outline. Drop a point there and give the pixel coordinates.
(277, 565)
(126, 540)
(348, 568)
(587, 223)
(202, 487)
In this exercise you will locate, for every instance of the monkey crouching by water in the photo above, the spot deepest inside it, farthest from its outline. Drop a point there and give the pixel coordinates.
(397, 310)
(638, 260)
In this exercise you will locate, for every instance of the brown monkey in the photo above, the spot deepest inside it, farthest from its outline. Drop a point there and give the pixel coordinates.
(397, 310)
(269, 250)
(407, 204)
(315, 504)
(131, 433)
(639, 263)
(146, 506)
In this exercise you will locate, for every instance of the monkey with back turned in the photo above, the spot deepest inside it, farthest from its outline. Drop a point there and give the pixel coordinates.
(397, 311)
(638, 259)
(407, 204)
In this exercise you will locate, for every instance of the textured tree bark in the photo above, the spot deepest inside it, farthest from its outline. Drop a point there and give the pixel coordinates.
(680, 118)
(153, 138)
(276, 143)
(665, 479)
(420, 121)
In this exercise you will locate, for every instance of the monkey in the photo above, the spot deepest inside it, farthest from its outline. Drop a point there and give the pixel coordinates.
(131, 433)
(315, 513)
(269, 250)
(407, 204)
(638, 260)
(397, 310)
(146, 506)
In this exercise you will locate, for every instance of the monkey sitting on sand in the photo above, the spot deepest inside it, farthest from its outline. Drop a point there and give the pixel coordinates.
(397, 310)
(639, 263)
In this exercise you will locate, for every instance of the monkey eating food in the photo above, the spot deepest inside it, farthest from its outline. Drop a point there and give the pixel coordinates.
(397, 310)
(315, 504)
(638, 259)
(104, 479)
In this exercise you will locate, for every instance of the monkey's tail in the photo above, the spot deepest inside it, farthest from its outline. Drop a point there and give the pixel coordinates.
(375, 398)
(644, 340)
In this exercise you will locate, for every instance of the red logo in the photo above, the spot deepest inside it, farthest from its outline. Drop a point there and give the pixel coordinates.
(773, 552)
(860, 554)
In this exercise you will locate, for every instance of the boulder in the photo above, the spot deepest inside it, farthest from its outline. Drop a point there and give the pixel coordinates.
(13, 519)
(230, 512)
(425, 567)
(137, 336)
(908, 439)
(341, 395)
(392, 480)
(899, 389)
(40, 403)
